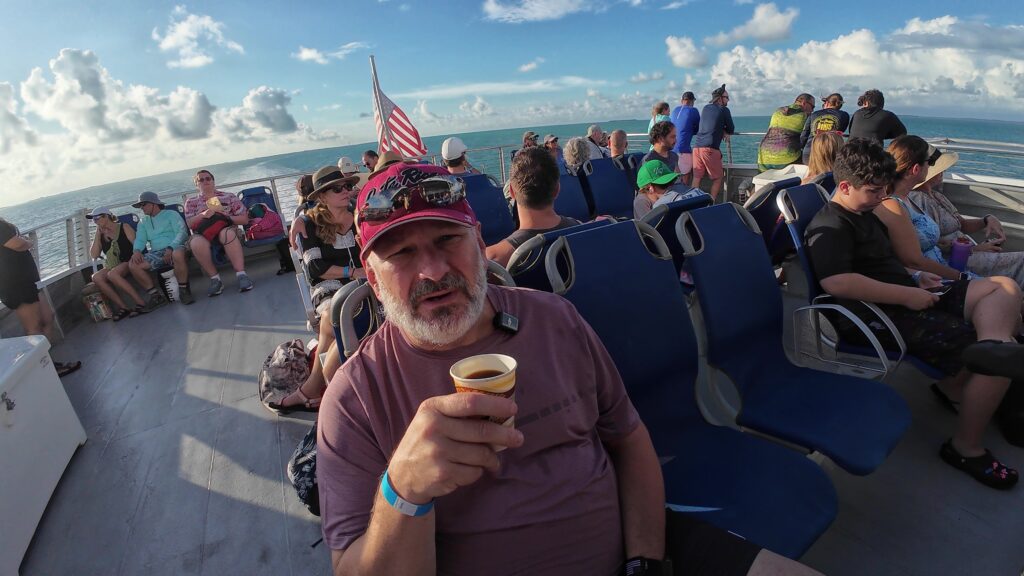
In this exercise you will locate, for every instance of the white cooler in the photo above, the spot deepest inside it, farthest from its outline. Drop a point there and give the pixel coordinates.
(771, 176)
(39, 432)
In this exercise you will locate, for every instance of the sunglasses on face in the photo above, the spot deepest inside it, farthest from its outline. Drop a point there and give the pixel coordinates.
(204, 179)
(436, 191)
(339, 188)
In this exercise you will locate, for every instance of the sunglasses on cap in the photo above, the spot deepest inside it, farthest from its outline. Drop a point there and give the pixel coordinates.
(436, 191)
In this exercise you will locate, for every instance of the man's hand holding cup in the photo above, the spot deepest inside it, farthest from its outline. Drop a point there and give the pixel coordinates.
(452, 439)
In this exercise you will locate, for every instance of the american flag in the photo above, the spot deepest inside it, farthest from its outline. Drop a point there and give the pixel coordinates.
(394, 129)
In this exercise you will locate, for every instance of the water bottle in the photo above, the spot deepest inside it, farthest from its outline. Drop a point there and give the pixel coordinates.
(170, 285)
(959, 253)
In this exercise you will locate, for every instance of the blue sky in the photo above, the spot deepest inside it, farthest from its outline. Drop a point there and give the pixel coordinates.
(98, 91)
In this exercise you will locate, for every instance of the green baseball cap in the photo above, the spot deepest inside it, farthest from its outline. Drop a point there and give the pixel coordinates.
(656, 172)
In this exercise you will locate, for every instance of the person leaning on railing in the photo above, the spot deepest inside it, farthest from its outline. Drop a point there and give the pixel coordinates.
(18, 289)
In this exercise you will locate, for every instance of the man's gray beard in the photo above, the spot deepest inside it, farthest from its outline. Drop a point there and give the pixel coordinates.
(447, 324)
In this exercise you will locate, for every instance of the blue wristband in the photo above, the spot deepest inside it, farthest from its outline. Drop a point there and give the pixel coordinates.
(401, 504)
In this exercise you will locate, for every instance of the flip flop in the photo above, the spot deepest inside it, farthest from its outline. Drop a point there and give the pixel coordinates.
(120, 315)
(65, 368)
(306, 405)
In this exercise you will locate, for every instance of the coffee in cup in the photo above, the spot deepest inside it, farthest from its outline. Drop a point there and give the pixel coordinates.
(493, 374)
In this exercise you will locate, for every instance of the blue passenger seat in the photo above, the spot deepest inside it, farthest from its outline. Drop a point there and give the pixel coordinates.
(856, 422)
(799, 205)
(490, 206)
(770, 495)
(261, 195)
(763, 207)
(663, 219)
(570, 200)
(609, 188)
(526, 265)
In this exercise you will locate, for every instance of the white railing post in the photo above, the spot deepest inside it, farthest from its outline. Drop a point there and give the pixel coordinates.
(69, 237)
(501, 163)
(82, 236)
(277, 201)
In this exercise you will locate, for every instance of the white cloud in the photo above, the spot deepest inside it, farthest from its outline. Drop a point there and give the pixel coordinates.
(404, 7)
(479, 107)
(950, 31)
(641, 77)
(766, 25)
(531, 65)
(263, 113)
(684, 53)
(675, 5)
(516, 11)
(331, 107)
(310, 55)
(314, 55)
(103, 128)
(190, 36)
(499, 88)
(13, 128)
(935, 77)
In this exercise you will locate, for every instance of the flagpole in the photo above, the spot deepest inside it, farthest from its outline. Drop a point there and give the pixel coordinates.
(385, 131)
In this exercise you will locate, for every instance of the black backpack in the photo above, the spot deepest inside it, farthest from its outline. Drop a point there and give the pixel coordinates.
(301, 471)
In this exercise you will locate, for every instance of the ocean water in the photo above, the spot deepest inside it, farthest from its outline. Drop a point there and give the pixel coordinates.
(53, 252)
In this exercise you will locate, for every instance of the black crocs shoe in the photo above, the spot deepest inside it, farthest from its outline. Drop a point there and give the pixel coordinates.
(985, 468)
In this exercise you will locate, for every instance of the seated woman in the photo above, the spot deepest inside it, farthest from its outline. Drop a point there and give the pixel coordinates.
(332, 258)
(915, 236)
(987, 258)
(824, 148)
(114, 241)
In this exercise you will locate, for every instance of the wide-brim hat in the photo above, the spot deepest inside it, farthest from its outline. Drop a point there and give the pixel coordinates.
(939, 162)
(149, 197)
(387, 158)
(329, 176)
(398, 175)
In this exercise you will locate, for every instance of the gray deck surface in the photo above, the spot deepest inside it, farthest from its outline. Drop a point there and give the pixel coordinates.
(183, 472)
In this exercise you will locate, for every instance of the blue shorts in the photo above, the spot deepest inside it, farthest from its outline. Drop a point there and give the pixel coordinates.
(156, 258)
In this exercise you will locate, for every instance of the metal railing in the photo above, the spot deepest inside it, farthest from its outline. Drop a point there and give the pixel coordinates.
(61, 245)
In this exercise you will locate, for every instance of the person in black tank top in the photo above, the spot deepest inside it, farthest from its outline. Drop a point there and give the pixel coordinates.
(533, 181)
(113, 242)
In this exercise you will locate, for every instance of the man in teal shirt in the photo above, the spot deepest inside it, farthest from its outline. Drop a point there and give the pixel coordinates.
(164, 231)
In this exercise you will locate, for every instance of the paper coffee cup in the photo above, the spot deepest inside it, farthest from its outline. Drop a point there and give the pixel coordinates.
(493, 374)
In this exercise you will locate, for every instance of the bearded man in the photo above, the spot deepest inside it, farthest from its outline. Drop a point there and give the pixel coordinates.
(417, 479)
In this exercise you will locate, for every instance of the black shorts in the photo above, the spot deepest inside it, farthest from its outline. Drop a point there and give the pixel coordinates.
(18, 283)
(939, 334)
(700, 549)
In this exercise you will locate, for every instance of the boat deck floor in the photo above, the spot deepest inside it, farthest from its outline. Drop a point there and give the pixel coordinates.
(183, 472)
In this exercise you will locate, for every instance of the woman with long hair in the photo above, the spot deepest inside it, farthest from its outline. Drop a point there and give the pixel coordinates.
(823, 153)
(332, 259)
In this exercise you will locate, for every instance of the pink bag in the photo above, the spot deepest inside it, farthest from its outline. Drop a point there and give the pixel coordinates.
(267, 226)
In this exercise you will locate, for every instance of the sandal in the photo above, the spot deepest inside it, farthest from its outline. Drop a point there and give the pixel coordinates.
(307, 405)
(121, 314)
(137, 311)
(65, 368)
(985, 468)
(950, 404)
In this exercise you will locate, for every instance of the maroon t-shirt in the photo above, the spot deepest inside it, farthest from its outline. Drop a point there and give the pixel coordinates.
(553, 508)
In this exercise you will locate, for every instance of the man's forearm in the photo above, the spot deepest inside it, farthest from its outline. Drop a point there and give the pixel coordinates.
(641, 495)
(393, 544)
(859, 287)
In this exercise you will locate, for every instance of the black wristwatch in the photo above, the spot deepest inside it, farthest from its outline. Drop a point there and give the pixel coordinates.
(639, 566)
